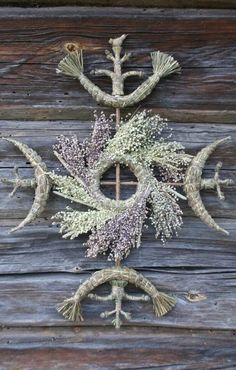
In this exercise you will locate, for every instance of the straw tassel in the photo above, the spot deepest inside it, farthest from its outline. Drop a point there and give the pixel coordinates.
(164, 64)
(70, 308)
(72, 64)
(163, 303)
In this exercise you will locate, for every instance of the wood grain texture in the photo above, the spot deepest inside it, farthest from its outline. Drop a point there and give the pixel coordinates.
(30, 299)
(131, 348)
(203, 43)
(79, 348)
(39, 248)
(215, 4)
(39, 269)
(43, 135)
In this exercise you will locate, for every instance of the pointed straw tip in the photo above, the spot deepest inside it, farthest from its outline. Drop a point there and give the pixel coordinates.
(223, 231)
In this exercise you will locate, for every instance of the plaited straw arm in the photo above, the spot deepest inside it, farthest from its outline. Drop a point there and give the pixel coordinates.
(163, 65)
(71, 307)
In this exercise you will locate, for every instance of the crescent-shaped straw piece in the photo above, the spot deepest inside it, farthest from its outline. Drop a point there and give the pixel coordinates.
(43, 183)
(192, 185)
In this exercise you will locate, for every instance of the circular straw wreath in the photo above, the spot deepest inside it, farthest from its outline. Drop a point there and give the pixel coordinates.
(116, 227)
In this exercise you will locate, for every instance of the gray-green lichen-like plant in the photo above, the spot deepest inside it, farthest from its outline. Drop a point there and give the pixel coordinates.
(117, 227)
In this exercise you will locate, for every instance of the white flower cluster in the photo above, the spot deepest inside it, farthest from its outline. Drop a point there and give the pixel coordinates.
(137, 134)
(166, 215)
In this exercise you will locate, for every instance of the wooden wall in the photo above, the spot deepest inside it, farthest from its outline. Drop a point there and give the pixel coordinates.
(38, 268)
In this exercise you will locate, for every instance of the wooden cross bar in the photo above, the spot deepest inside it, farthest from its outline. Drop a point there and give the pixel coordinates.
(134, 183)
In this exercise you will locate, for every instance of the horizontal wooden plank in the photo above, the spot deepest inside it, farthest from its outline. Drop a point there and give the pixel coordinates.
(203, 132)
(39, 113)
(39, 248)
(30, 300)
(42, 135)
(215, 4)
(82, 11)
(199, 47)
(103, 349)
(196, 88)
(198, 41)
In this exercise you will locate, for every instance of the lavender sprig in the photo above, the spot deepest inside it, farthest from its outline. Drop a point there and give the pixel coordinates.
(100, 136)
(119, 234)
(72, 152)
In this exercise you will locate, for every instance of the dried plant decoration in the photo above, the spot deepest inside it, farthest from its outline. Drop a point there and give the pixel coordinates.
(118, 277)
(194, 183)
(115, 226)
(41, 183)
(72, 65)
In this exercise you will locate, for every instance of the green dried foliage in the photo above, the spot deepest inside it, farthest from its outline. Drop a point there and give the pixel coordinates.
(140, 137)
(69, 188)
(169, 157)
(74, 223)
(136, 134)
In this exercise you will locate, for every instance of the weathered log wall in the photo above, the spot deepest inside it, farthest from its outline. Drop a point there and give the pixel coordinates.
(38, 268)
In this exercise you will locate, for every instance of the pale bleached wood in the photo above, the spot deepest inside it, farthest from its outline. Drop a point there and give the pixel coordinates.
(39, 248)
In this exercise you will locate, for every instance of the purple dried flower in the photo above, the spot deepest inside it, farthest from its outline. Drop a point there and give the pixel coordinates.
(78, 157)
(72, 153)
(100, 136)
(119, 234)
